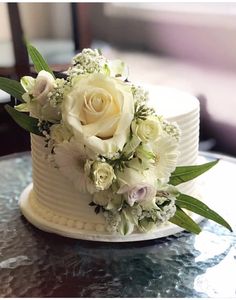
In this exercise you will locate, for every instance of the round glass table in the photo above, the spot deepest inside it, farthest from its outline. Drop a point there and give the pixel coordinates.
(38, 264)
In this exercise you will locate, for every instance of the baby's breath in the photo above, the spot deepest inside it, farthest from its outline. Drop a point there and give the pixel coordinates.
(171, 129)
(140, 95)
(55, 97)
(87, 62)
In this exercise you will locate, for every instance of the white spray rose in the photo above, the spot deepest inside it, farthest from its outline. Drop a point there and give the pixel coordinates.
(44, 83)
(147, 130)
(103, 175)
(60, 133)
(136, 186)
(99, 110)
(37, 95)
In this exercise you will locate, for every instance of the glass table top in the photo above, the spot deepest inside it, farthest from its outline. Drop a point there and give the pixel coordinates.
(38, 264)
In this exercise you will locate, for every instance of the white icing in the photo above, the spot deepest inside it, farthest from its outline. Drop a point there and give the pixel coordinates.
(56, 200)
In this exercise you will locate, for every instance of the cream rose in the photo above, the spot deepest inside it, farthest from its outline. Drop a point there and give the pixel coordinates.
(103, 175)
(99, 110)
(147, 130)
(44, 83)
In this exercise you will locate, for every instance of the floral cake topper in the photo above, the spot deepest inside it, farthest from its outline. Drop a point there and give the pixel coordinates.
(103, 136)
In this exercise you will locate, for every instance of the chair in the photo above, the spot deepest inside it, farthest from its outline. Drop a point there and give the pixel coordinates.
(16, 139)
(81, 33)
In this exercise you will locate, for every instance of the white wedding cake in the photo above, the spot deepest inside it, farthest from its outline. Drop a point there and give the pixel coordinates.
(55, 205)
(112, 160)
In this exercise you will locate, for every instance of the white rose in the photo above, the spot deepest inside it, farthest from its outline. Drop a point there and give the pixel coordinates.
(60, 133)
(147, 130)
(100, 110)
(103, 175)
(44, 83)
(137, 186)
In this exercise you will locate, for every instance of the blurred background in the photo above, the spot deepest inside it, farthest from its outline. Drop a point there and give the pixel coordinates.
(189, 46)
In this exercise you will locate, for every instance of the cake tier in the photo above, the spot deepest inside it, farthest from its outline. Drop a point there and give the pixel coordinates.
(184, 109)
(54, 197)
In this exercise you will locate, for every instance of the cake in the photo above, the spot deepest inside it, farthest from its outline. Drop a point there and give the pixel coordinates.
(106, 157)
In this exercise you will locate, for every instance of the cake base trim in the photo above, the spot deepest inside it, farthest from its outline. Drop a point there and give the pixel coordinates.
(48, 221)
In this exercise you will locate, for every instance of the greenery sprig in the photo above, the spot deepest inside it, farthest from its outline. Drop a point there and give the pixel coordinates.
(142, 111)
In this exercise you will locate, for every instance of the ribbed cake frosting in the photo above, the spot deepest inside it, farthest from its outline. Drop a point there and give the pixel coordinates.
(57, 201)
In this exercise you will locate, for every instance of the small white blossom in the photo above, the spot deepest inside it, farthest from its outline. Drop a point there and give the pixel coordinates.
(60, 133)
(55, 96)
(113, 220)
(140, 94)
(172, 129)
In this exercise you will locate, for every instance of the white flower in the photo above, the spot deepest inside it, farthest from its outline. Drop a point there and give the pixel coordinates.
(99, 110)
(108, 199)
(117, 68)
(103, 175)
(136, 186)
(147, 130)
(44, 83)
(140, 94)
(166, 156)
(101, 198)
(37, 96)
(70, 158)
(60, 133)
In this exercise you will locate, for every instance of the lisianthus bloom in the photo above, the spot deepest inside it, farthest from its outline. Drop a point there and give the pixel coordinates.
(136, 186)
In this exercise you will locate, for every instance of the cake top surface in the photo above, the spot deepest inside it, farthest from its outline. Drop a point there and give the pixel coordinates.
(171, 102)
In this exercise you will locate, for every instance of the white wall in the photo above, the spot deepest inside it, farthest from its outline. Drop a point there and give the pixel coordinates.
(40, 20)
(207, 36)
(4, 25)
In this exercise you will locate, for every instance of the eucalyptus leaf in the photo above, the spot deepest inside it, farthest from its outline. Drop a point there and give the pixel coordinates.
(183, 174)
(24, 120)
(37, 59)
(12, 87)
(126, 226)
(196, 206)
(183, 220)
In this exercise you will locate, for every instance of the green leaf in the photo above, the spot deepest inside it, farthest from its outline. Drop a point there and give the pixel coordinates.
(24, 120)
(183, 220)
(12, 87)
(201, 209)
(37, 59)
(183, 174)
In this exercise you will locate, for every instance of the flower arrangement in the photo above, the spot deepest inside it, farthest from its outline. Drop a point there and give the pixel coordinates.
(108, 142)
